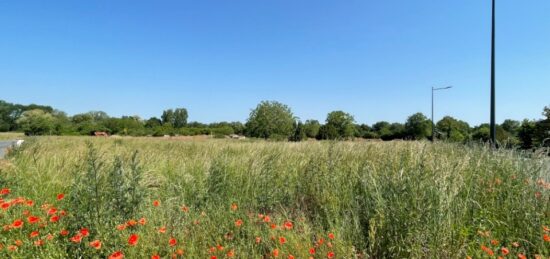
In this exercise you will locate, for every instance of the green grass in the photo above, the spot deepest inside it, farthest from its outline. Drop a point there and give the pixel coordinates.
(11, 135)
(380, 200)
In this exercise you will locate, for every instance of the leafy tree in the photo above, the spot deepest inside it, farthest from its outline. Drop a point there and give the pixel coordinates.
(177, 117)
(481, 133)
(343, 124)
(418, 126)
(299, 132)
(511, 126)
(311, 128)
(270, 119)
(328, 131)
(153, 122)
(36, 122)
(452, 129)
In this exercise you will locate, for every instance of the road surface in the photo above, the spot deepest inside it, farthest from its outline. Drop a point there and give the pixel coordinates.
(4, 144)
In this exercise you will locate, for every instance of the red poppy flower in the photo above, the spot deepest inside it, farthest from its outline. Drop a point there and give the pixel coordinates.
(156, 203)
(76, 238)
(546, 238)
(60, 196)
(12, 248)
(231, 253)
(504, 251)
(330, 254)
(162, 230)
(5, 191)
(29, 203)
(18, 242)
(49, 237)
(282, 240)
(39, 242)
(291, 256)
(238, 223)
(331, 235)
(219, 247)
(133, 239)
(116, 255)
(17, 223)
(142, 221)
(33, 219)
(312, 251)
(5, 206)
(34, 234)
(213, 257)
(121, 227)
(267, 219)
(155, 257)
(273, 226)
(64, 232)
(54, 218)
(522, 256)
(172, 241)
(185, 208)
(96, 244)
(131, 223)
(84, 232)
(258, 240)
(234, 207)
(288, 225)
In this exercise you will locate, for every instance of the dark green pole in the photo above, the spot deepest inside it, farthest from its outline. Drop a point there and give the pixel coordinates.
(493, 127)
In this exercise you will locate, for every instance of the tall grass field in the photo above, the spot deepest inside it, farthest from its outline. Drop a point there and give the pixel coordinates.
(83, 197)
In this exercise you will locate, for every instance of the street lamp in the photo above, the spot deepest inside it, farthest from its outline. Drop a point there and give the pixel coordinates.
(433, 124)
(492, 127)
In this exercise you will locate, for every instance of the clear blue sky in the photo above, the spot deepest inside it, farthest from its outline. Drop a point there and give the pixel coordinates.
(374, 59)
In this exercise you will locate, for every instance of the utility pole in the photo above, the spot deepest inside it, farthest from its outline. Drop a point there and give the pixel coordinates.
(492, 126)
(433, 123)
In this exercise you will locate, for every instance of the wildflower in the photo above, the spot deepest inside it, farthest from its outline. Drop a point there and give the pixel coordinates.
(54, 218)
(18, 242)
(156, 203)
(546, 229)
(96, 244)
(64, 232)
(288, 225)
(133, 239)
(267, 219)
(162, 230)
(5, 205)
(522, 256)
(17, 223)
(331, 236)
(487, 250)
(12, 248)
(84, 232)
(49, 237)
(231, 253)
(273, 226)
(330, 254)
(291, 256)
(52, 211)
(234, 207)
(238, 223)
(504, 251)
(312, 251)
(494, 242)
(155, 257)
(116, 255)
(34, 234)
(29, 203)
(275, 252)
(142, 221)
(76, 238)
(546, 238)
(258, 240)
(282, 240)
(131, 223)
(219, 247)
(38, 242)
(121, 227)
(185, 209)
(60, 196)
(213, 257)
(5, 191)
(172, 241)
(32, 219)
(63, 213)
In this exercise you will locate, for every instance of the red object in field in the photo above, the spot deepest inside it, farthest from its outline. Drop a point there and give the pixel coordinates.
(101, 134)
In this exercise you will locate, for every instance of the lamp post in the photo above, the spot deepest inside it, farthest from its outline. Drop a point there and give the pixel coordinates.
(492, 126)
(433, 124)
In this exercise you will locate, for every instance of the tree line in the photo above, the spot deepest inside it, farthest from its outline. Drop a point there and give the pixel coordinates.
(270, 120)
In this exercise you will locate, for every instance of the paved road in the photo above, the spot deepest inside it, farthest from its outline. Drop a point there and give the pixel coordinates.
(4, 144)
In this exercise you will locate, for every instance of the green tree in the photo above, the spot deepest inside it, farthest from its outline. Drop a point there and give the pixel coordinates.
(311, 128)
(342, 122)
(153, 122)
(176, 117)
(418, 126)
(270, 119)
(452, 129)
(299, 132)
(36, 122)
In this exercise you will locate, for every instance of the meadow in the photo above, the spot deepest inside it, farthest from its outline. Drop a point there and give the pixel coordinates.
(84, 197)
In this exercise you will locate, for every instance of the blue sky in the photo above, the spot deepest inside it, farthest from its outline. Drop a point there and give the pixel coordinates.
(374, 59)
